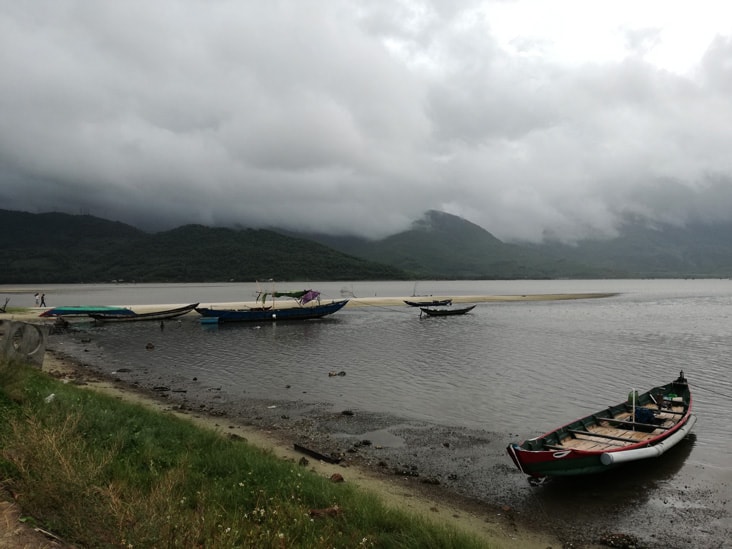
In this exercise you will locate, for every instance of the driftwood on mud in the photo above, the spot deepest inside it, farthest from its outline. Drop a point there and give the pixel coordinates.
(316, 455)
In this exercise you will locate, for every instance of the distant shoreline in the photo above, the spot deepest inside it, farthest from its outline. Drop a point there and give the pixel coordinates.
(360, 301)
(32, 313)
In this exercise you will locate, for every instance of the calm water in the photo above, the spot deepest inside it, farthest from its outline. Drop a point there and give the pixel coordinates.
(519, 367)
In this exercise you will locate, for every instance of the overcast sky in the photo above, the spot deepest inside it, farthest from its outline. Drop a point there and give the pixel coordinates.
(526, 117)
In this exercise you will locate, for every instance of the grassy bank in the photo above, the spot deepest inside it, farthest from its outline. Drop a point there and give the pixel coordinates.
(99, 472)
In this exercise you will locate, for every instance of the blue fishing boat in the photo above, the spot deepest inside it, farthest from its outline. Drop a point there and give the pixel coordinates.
(307, 306)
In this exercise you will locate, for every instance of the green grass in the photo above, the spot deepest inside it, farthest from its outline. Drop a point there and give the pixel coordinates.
(103, 473)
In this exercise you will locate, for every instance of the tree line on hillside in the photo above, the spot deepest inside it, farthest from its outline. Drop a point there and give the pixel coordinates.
(63, 248)
(60, 248)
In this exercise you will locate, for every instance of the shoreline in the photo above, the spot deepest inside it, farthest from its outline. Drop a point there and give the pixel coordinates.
(493, 523)
(28, 314)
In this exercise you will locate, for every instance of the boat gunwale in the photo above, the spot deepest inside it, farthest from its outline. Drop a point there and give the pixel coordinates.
(296, 313)
(151, 315)
(533, 461)
(446, 311)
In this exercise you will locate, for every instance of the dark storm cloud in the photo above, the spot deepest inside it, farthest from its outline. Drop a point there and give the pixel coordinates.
(353, 117)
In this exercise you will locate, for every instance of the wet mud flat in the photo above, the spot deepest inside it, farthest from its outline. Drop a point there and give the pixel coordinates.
(652, 504)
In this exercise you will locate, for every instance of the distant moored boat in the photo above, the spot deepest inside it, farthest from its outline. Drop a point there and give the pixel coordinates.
(447, 311)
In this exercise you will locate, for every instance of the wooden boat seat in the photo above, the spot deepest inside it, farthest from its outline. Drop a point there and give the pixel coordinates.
(680, 411)
(628, 423)
(617, 431)
(604, 434)
(630, 439)
(676, 408)
(588, 443)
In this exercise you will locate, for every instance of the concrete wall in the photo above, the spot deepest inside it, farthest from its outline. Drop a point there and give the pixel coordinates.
(23, 342)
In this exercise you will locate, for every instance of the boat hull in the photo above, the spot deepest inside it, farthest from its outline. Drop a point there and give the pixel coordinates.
(153, 315)
(269, 314)
(613, 436)
(429, 303)
(558, 463)
(446, 312)
(84, 310)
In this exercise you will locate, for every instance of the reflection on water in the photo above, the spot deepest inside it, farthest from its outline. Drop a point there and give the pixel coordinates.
(636, 497)
(625, 486)
(513, 367)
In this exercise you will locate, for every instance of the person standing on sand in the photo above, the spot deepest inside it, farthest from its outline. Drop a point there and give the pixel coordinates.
(43, 300)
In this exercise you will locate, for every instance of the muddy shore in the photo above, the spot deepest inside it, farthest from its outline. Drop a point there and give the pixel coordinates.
(333, 442)
(456, 474)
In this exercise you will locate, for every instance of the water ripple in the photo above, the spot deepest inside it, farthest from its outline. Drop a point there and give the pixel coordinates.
(520, 367)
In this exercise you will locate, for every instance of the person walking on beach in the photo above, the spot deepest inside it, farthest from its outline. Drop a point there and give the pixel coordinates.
(43, 300)
(38, 297)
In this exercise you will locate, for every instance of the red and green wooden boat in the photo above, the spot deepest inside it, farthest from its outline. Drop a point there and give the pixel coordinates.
(642, 427)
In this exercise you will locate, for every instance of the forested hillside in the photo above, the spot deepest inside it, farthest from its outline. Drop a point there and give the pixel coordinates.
(61, 248)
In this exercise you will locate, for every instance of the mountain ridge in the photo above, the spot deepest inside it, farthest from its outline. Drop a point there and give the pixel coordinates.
(63, 248)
